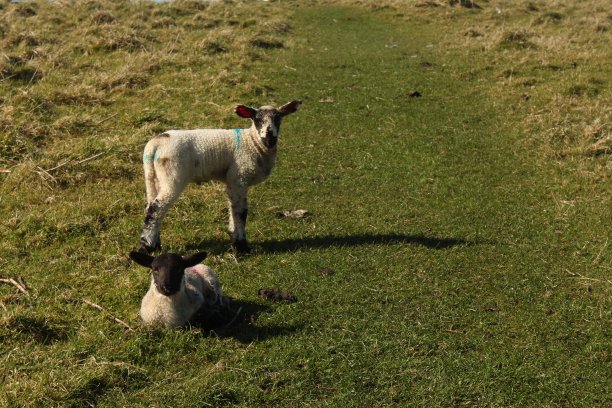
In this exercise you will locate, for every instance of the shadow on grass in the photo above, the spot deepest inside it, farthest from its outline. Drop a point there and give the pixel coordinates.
(239, 321)
(336, 241)
(97, 388)
(36, 329)
(327, 241)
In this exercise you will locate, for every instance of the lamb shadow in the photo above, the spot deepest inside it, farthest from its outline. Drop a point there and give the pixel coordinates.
(327, 241)
(38, 329)
(272, 246)
(238, 321)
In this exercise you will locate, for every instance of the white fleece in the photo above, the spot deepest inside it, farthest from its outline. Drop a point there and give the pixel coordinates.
(178, 157)
(200, 288)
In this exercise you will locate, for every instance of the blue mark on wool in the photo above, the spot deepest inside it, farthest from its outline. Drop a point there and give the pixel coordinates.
(238, 136)
(147, 158)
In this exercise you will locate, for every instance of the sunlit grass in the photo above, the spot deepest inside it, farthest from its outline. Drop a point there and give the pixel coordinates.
(458, 248)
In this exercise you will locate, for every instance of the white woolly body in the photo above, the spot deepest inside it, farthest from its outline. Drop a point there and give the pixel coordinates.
(200, 288)
(238, 157)
(200, 155)
(178, 157)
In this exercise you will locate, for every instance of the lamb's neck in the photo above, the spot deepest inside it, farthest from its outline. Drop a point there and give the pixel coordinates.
(176, 299)
(255, 142)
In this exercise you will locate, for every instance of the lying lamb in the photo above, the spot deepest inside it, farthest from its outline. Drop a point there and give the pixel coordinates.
(238, 157)
(180, 287)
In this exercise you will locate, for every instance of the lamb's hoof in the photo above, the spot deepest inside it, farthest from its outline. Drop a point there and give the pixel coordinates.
(144, 248)
(241, 246)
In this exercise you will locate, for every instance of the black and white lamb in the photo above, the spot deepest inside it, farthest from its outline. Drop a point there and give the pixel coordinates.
(180, 287)
(238, 157)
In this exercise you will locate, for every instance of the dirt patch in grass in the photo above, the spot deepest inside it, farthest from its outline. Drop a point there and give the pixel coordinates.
(276, 294)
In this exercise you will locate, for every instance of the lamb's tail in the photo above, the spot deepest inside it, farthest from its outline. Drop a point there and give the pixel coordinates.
(149, 157)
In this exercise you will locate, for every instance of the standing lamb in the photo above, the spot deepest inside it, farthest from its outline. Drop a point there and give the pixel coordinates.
(238, 157)
(180, 287)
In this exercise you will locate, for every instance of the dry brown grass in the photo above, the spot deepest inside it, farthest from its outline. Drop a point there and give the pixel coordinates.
(65, 65)
(80, 94)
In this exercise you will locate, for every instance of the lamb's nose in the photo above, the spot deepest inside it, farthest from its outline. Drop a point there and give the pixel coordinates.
(269, 133)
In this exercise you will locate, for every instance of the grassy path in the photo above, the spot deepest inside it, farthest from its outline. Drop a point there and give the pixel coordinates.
(452, 259)
(445, 263)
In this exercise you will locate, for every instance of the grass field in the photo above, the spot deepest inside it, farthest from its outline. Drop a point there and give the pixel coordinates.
(456, 163)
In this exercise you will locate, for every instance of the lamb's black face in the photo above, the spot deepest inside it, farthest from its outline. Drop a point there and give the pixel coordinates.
(168, 271)
(267, 122)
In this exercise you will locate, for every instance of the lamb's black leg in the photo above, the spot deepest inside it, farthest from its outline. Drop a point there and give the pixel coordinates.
(237, 218)
(149, 239)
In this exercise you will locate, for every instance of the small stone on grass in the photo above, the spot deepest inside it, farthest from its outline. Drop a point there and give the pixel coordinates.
(293, 214)
(326, 272)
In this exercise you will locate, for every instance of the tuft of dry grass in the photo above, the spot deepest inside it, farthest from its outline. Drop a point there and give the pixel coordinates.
(103, 17)
(73, 125)
(80, 94)
(128, 40)
(266, 42)
(577, 128)
(516, 40)
(549, 17)
(125, 79)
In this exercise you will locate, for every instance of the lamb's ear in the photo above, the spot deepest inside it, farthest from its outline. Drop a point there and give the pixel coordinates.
(141, 258)
(245, 111)
(290, 107)
(191, 260)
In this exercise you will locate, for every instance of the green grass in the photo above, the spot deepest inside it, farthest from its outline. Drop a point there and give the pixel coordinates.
(467, 230)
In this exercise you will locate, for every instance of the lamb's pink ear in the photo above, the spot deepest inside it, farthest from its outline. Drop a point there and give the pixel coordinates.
(191, 260)
(245, 111)
(141, 258)
(290, 107)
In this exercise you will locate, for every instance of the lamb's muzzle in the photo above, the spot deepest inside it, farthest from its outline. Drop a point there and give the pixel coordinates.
(238, 157)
